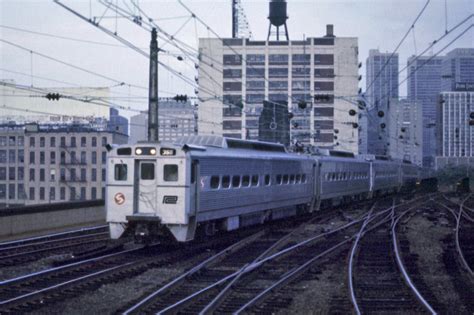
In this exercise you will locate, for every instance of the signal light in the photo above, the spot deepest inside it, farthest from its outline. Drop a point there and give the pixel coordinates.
(352, 112)
(181, 98)
(355, 125)
(381, 113)
(53, 96)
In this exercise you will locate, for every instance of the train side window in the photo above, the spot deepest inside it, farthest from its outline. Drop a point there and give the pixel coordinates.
(278, 179)
(147, 171)
(298, 178)
(267, 180)
(120, 172)
(285, 179)
(170, 172)
(226, 181)
(214, 182)
(292, 178)
(245, 181)
(303, 178)
(254, 180)
(235, 181)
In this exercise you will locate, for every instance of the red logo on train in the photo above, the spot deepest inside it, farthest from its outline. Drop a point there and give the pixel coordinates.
(119, 198)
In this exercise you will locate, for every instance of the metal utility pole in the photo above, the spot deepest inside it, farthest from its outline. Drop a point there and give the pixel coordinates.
(153, 123)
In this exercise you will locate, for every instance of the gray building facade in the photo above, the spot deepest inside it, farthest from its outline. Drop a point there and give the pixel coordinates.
(458, 70)
(424, 86)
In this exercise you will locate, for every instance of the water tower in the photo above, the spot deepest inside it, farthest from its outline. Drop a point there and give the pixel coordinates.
(278, 18)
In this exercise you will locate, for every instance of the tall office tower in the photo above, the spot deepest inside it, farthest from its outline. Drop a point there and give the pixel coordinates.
(316, 78)
(424, 86)
(458, 70)
(381, 87)
(456, 135)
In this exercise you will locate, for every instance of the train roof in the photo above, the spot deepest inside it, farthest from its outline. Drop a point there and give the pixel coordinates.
(229, 143)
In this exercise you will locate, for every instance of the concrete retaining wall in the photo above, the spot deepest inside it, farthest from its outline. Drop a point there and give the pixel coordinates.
(15, 221)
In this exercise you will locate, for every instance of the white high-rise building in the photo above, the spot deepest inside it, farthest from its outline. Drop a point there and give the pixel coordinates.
(237, 75)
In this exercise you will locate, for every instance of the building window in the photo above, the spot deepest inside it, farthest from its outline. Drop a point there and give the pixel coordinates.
(104, 141)
(232, 60)
(62, 174)
(41, 193)
(104, 157)
(233, 86)
(323, 86)
(278, 72)
(73, 141)
(83, 157)
(93, 193)
(72, 193)
(73, 174)
(324, 73)
(12, 156)
(278, 59)
(42, 176)
(52, 142)
(256, 73)
(52, 193)
(62, 193)
(3, 141)
(32, 193)
(63, 157)
(11, 191)
(93, 175)
(83, 142)
(42, 142)
(255, 59)
(278, 85)
(94, 141)
(300, 72)
(83, 174)
(323, 59)
(232, 73)
(103, 175)
(52, 175)
(32, 175)
(255, 98)
(3, 156)
(21, 173)
(42, 157)
(255, 85)
(3, 173)
(83, 193)
(301, 59)
(52, 157)
(63, 141)
(11, 173)
(32, 142)
(21, 156)
(94, 157)
(3, 191)
(232, 124)
(73, 157)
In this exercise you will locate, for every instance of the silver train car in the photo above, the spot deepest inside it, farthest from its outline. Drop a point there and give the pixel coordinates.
(205, 184)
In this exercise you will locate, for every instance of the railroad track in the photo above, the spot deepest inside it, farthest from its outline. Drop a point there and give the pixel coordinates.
(42, 289)
(225, 286)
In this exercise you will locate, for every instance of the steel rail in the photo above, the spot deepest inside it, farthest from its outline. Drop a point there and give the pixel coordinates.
(458, 246)
(193, 270)
(53, 235)
(401, 265)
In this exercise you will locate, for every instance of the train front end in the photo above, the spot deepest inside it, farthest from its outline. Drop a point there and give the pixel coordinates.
(147, 192)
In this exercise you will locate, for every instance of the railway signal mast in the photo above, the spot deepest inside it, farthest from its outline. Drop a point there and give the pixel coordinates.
(153, 123)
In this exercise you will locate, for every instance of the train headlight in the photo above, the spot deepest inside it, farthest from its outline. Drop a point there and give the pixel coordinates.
(152, 151)
(138, 151)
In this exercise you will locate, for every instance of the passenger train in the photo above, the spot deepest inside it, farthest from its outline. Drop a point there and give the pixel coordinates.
(205, 184)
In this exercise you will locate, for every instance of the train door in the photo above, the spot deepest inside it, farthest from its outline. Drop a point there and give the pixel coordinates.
(194, 188)
(146, 187)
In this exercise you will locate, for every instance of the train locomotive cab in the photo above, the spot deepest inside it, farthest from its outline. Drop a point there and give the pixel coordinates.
(146, 191)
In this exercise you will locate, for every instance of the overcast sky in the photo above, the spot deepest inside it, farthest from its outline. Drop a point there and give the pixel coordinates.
(376, 23)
